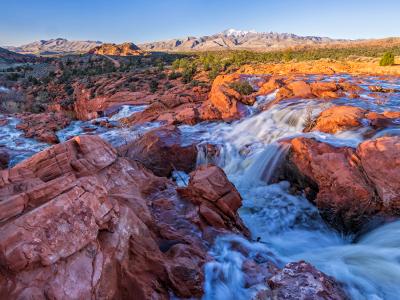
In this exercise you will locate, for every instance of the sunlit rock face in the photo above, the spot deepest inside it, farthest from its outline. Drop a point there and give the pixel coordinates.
(125, 49)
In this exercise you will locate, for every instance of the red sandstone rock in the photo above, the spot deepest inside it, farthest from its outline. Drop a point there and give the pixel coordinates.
(339, 118)
(271, 85)
(223, 101)
(78, 222)
(44, 126)
(325, 89)
(161, 151)
(300, 280)
(217, 198)
(334, 181)
(380, 160)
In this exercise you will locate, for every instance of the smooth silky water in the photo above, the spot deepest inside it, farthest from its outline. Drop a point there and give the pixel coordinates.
(288, 228)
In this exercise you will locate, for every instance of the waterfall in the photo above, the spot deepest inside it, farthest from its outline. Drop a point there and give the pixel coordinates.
(288, 226)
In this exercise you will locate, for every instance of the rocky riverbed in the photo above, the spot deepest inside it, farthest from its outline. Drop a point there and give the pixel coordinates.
(288, 192)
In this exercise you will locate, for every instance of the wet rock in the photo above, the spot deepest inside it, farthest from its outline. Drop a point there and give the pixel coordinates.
(300, 280)
(325, 89)
(274, 83)
(380, 160)
(217, 198)
(161, 151)
(339, 118)
(44, 126)
(349, 187)
(333, 180)
(380, 89)
(383, 120)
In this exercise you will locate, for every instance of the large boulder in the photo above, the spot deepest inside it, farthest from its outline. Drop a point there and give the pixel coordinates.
(348, 186)
(217, 198)
(43, 126)
(333, 181)
(161, 150)
(300, 280)
(223, 101)
(380, 160)
(339, 118)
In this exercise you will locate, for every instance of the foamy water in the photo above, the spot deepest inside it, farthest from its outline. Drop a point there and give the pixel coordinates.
(287, 227)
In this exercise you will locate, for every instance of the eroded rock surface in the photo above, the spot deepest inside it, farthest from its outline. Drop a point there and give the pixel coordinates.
(300, 280)
(348, 186)
(223, 101)
(78, 221)
(161, 150)
(43, 126)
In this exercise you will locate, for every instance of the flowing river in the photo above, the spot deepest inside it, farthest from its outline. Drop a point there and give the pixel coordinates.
(284, 227)
(288, 228)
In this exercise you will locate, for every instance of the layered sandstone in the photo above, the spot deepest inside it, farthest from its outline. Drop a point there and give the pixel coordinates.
(348, 186)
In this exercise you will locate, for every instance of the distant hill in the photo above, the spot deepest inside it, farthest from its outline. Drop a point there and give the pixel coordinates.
(232, 39)
(9, 57)
(55, 47)
(125, 49)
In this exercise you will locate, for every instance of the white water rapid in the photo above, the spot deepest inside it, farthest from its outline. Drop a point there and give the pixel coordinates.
(286, 227)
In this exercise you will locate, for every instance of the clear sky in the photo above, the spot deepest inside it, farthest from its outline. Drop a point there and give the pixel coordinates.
(23, 21)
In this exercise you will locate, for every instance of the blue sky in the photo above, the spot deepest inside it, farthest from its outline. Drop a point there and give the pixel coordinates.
(23, 21)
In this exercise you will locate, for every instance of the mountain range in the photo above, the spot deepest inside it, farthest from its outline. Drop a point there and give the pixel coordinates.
(237, 39)
(230, 39)
(55, 46)
(7, 56)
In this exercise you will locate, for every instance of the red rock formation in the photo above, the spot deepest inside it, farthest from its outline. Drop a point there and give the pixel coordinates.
(274, 83)
(124, 49)
(161, 151)
(380, 160)
(223, 101)
(217, 199)
(339, 118)
(348, 186)
(344, 196)
(79, 222)
(300, 280)
(299, 88)
(43, 126)
(325, 89)
(87, 108)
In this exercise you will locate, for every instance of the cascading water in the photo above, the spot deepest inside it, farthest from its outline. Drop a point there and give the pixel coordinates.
(288, 226)
(18, 146)
(284, 227)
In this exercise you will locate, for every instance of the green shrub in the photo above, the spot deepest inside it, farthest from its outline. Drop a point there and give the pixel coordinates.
(242, 87)
(387, 59)
(188, 72)
(174, 75)
(153, 86)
